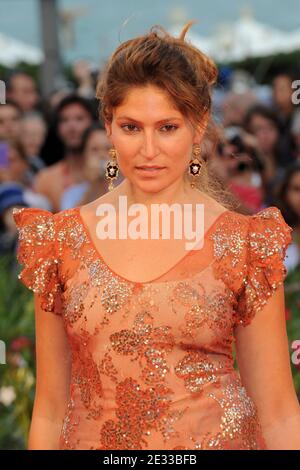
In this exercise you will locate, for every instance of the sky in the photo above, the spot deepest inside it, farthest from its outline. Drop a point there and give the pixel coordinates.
(102, 24)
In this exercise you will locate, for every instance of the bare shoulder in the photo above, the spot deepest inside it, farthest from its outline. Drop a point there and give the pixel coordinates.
(53, 170)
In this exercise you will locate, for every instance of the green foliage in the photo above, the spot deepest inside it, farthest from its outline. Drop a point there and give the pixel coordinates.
(17, 376)
(264, 69)
(33, 70)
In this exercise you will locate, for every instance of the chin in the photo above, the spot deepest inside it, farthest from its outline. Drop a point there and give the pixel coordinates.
(74, 146)
(153, 186)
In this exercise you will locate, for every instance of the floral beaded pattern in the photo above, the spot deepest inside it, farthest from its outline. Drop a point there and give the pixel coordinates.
(152, 364)
(268, 239)
(251, 258)
(37, 250)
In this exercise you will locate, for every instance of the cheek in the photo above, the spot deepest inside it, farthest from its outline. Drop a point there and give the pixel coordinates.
(175, 149)
(81, 124)
(63, 128)
(271, 136)
(293, 199)
(15, 167)
(127, 158)
(179, 151)
(127, 147)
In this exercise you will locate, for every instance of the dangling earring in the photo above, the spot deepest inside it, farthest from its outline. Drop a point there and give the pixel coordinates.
(195, 165)
(112, 168)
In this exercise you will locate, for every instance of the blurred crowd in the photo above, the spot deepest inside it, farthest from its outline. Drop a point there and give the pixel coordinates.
(54, 151)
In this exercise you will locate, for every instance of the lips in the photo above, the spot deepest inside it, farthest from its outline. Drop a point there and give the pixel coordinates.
(150, 167)
(149, 170)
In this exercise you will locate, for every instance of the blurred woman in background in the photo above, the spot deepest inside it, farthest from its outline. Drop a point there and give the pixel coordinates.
(95, 147)
(289, 203)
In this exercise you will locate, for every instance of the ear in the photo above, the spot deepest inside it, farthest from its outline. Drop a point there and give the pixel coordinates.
(201, 128)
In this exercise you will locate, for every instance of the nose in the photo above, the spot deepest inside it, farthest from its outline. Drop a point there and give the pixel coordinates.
(149, 145)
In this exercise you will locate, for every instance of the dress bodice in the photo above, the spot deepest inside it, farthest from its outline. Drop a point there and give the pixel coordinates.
(152, 363)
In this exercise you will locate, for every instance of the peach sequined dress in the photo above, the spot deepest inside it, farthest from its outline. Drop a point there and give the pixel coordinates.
(153, 363)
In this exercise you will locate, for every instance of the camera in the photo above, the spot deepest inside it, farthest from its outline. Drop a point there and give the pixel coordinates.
(234, 136)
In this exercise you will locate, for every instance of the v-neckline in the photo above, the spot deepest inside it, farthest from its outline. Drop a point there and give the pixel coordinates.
(100, 256)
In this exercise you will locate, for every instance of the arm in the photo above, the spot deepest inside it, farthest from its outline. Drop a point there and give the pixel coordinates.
(52, 380)
(263, 359)
(40, 183)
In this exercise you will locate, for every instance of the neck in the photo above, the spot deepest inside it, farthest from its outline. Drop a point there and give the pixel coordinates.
(179, 192)
(73, 158)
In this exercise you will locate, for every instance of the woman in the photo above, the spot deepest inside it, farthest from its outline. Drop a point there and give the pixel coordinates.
(244, 168)
(288, 195)
(139, 353)
(94, 148)
(264, 125)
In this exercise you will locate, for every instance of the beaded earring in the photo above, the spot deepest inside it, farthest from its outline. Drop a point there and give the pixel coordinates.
(195, 164)
(112, 168)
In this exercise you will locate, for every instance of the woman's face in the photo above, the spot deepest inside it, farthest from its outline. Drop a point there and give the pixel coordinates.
(265, 131)
(293, 193)
(147, 129)
(32, 136)
(16, 167)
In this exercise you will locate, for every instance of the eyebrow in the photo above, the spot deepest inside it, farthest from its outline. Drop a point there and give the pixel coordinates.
(158, 122)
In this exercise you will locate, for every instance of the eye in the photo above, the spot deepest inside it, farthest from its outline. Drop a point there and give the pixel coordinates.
(132, 127)
(170, 127)
(129, 127)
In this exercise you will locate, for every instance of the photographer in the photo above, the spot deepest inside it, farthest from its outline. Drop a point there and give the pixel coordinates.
(245, 168)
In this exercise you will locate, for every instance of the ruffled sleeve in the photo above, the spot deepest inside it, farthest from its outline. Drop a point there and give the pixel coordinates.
(36, 250)
(267, 241)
